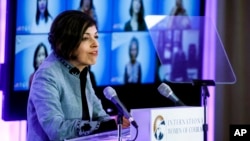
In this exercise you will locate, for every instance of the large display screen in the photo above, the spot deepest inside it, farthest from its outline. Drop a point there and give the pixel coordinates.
(129, 53)
(117, 29)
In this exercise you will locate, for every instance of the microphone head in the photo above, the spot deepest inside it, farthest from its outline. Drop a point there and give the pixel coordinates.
(109, 92)
(164, 90)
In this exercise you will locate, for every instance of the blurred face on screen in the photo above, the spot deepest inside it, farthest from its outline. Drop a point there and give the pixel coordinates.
(133, 50)
(87, 52)
(86, 5)
(41, 55)
(42, 4)
(179, 3)
(136, 6)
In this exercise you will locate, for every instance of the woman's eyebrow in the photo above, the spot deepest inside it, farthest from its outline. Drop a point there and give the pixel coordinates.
(90, 33)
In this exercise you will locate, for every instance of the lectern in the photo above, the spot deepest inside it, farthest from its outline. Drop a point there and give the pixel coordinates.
(168, 123)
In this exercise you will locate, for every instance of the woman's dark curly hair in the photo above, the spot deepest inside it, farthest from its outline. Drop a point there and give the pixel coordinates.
(67, 31)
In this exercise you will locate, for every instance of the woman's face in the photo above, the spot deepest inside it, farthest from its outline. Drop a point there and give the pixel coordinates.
(86, 5)
(179, 3)
(87, 52)
(133, 50)
(41, 55)
(136, 6)
(42, 4)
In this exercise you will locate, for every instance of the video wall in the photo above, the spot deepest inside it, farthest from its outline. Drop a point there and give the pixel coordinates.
(121, 38)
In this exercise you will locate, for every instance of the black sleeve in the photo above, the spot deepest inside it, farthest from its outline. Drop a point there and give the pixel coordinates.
(105, 126)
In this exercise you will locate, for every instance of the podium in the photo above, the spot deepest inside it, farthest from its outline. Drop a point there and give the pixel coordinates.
(168, 124)
(159, 124)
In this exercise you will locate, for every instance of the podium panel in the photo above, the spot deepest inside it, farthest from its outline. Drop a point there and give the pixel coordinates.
(159, 124)
(168, 124)
(105, 136)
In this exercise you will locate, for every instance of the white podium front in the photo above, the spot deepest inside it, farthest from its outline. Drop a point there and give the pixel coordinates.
(168, 124)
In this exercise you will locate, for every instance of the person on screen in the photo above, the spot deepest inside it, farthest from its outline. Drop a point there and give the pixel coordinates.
(178, 9)
(87, 6)
(192, 56)
(62, 103)
(133, 67)
(179, 17)
(40, 54)
(43, 19)
(136, 12)
(179, 65)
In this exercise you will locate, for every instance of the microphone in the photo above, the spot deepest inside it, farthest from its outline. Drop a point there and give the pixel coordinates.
(111, 95)
(166, 91)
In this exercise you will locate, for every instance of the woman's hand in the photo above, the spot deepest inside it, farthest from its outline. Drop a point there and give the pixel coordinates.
(125, 121)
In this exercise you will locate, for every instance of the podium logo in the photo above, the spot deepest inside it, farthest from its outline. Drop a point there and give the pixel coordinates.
(159, 128)
(240, 132)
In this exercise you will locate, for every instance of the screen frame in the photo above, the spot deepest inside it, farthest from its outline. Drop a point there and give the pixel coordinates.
(14, 103)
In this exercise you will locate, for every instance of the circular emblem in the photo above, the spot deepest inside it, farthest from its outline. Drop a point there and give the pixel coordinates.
(159, 127)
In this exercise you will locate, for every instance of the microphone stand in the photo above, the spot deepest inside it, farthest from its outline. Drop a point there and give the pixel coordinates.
(119, 124)
(205, 93)
(205, 125)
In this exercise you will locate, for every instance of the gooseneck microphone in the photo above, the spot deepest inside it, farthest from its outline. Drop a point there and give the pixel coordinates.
(111, 95)
(166, 91)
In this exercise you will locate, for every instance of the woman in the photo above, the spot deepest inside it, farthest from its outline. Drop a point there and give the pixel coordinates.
(133, 67)
(179, 18)
(87, 7)
(43, 19)
(136, 11)
(62, 103)
(40, 54)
